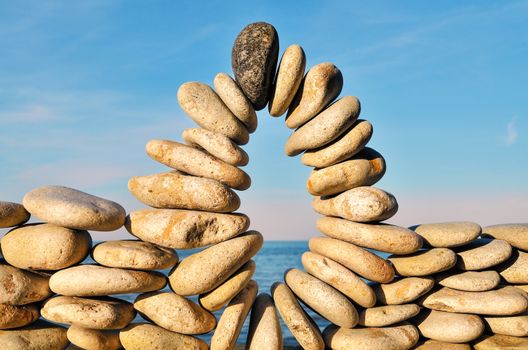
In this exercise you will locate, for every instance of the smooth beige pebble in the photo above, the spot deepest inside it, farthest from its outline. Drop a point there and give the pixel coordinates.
(515, 234)
(403, 290)
(142, 336)
(515, 269)
(470, 281)
(136, 255)
(264, 326)
(482, 254)
(12, 316)
(498, 341)
(38, 336)
(382, 316)
(448, 234)
(424, 262)
(20, 287)
(448, 326)
(12, 214)
(94, 339)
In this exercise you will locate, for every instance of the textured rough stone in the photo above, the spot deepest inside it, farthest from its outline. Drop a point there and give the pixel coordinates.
(12, 316)
(217, 145)
(20, 287)
(382, 316)
(515, 234)
(497, 341)
(449, 327)
(448, 234)
(234, 98)
(440, 345)
(38, 336)
(12, 214)
(141, 336)
(515, 269)
(470, 281)
(424, 263)
(94, 339)
(482, 254)
(264, 327)
(402, 291)
(515, 326)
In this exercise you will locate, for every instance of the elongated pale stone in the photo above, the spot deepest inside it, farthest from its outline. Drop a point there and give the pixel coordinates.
(233, 317)
(399, 337)
(264, 327)
(440, 345)
(175, 190)
(106, 313)
(448, 326)
(234, 98)
(20, 287)
(185, 229)
(12, 214)
(504, 301)
(206, 270)
(320, 86)
(515, 326)
(135, 255)
(482, 254)
(498, 341)
(296, 319)
(515, 269)
(94, 339)
(45, 247)
(403, 290)
(38, 336)
(382, 237)
(515, 234)
(141, 336)
(221, 295)
(424, 263)
(322, 298)
(324, 127)
(359, 260)
(361, 204)
(382, 316)
(217, 145)
(204, 106)
(340, 278)
(470, 281)
(448, 234)
(63, 206)
(195, 162)
(345, 146)
(287, 80)
(93, 280)
(175, 313)
(12, 316)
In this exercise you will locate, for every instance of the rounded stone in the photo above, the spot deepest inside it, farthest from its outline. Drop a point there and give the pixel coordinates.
(402, 291)
(264, 327)
(287, 80)
(470, 281)
(12, 214)
(108, 313)
(515, 326)
(141, 336)
(38, 336)
(20, 287)
(381, 237)
(357, 259)
(497, 341)
(360, 204)
(234, 98)
(296, 319)
(515, 234)
(440, 345)
(254, 60)
(382, 316)
(345, 146)
(515, 269)
(63, 206)
(175, 190)
(206, 270)
(175, 313)
(320, 86)
(424, 262)
(185, 229)
(94, 339)
(482, 254)
(203, 105)
(324, 127)
(449, 327)
(94, 280)
(12, 316)
(448, 234)
(193, 161)
(322, 298)
(340, 278)
(217, 145)
(135, 255)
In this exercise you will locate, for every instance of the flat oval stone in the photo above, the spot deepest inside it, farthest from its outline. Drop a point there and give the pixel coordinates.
(20, 287)
(340, 278)
(254, 60)
(515, 234)
(322, 298)
(234, 98)
(12, 316)
(504, 301)
(108, 313)
(382, 316)
(482, 254)
(63, 206)
(470, 281)
(193, 161)
(287, 81)
(498, 341)
(515, 269)
(361, 204)
(206, 270)
(185, 229)
(221, 295)
(264, 327)
(141, 336)
(135, 255)
(94, 339)
(324, 127)
(515, 326)
(381, 237)
(345, 146)
(12, 214)
(175, 313)
(233, 317)
(448, 326)
(203, 105)
(448, 234)
(424, 263)
(321, 85)
(94, 280)
(217, 145)
(359, 260)
(440, 345)
(175, 190)
(38, 336)
(364, 169)
(399, 337)
(402, 291)
(296, 319)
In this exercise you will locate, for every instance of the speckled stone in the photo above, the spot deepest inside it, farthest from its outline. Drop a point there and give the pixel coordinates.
(382, 316)
(448, 326)
(497, 341)
(254, 60)
(94, 339)
(264, 327)
(515, 234)
(38, 336)
(402, 291)
(185, 229)
(217, 145)
(321, 85)
(360, 204)
(482, 254)
(12, 316)
(141, 336)
(428, 344)
(234, 98)
(12, 214)
(448, 234)
(20, 287)
(470, 281)
(424, 263)
(515, 326)
(63, 206)
(515, 269)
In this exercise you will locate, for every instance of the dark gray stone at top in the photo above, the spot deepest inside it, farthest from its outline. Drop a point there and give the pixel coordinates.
(254, 59)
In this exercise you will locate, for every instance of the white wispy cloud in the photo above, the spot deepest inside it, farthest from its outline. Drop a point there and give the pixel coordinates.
(511, 132)
(30, 114)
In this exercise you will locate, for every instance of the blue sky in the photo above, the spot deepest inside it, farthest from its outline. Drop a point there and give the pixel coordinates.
(84, 85)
